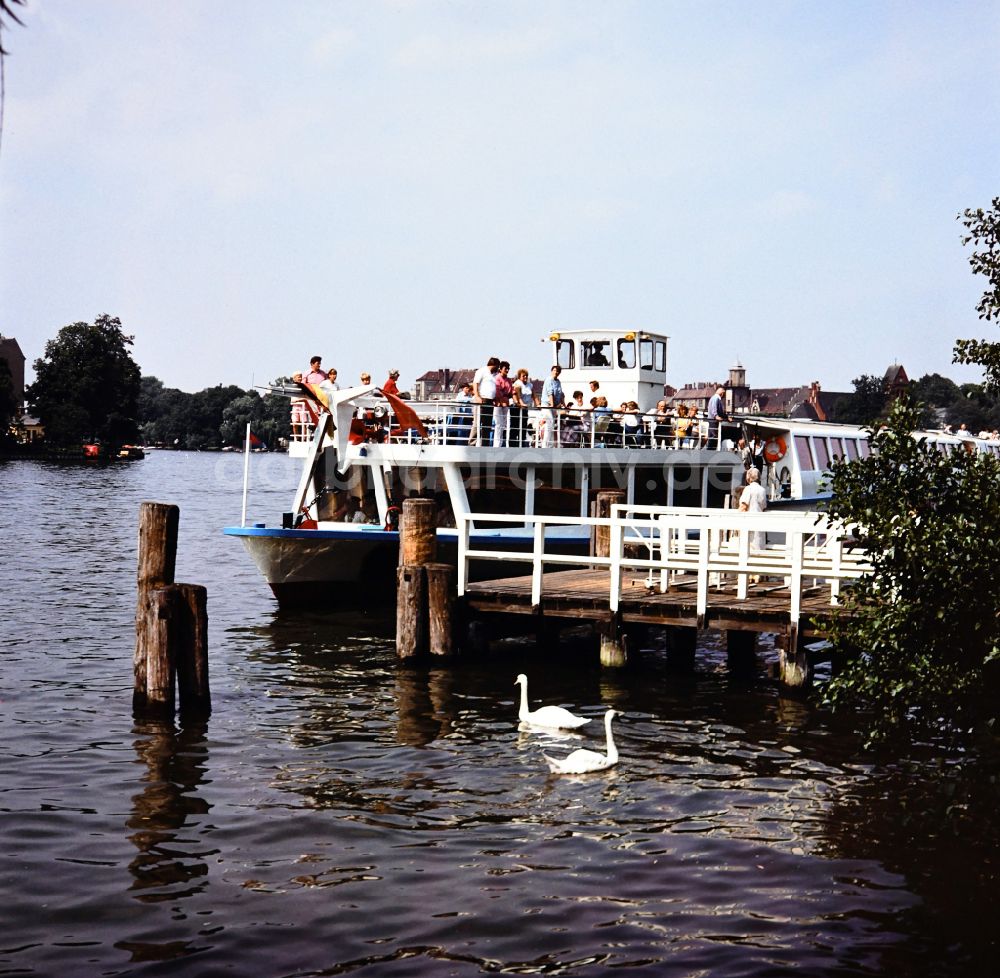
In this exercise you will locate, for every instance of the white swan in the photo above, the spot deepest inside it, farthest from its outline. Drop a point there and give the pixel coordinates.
(553, 717)
(584, 761)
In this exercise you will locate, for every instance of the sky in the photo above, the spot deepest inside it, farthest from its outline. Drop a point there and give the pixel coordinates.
(426, 183)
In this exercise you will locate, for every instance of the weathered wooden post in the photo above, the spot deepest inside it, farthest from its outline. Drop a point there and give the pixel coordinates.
(418, 532)
(683, 643)
(794, 667)
(411, 610)
(157, 561)
(191, 654)
(160, 639)
(601, 535)
(440, 607)
(614, 645)
(171, 625)
(741, 652)
(424, 598)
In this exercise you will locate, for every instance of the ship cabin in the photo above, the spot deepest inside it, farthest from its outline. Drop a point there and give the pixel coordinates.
(629, 366)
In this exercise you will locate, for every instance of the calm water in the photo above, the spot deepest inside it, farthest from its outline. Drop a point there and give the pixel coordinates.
(341, 815)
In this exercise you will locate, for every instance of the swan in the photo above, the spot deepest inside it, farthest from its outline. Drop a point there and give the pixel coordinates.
(584, 761)
(554, 717)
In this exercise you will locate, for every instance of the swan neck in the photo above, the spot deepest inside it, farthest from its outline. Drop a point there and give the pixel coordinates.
(522, 713)
(612, 750)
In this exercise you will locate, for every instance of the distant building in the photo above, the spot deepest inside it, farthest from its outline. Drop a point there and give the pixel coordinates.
(442, 385)
(809, 401)
(11, 352)
(895, 381)
(29, 429)
(446, 384)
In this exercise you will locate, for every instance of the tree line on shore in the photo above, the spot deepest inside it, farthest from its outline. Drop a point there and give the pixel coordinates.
(88, 388)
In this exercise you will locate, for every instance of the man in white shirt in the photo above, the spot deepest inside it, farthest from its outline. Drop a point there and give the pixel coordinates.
(484, 390)
(753, 499)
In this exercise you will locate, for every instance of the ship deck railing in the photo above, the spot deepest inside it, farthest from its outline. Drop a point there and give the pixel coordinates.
(452, 423)
(677, 545)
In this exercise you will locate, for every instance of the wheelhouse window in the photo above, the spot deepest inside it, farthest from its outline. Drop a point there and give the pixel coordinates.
(565, 354)
(595, 353)
(646, 354)
(837, 448)
(660, 356)
(852, 449)
(626, 354)
(865, 447)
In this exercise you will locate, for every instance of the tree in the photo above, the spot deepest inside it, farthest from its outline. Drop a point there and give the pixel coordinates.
(867, 403)
(925, 625)
(248, 409)
(87, 385)
(984, 234)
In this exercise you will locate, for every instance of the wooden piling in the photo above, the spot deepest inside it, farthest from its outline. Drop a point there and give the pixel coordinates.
(440, 607)
(160, 609)
(601, 535)
(411, 611)
(156, 565)
(614, 645)
(171, 625)
(794, 667)
(418, 532)
(191, 654)
(741, 652)
(682, 645)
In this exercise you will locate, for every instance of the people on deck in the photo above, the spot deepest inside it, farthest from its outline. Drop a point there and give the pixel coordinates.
(501, 410)
(632, 425)
(330, 384)
(662, 425)
(716, 415)
(366, 379)
(552, 399)
(315, 374)
(521, 398)
(682, 427)
(389, 387)
(301, 418)
(484, 389)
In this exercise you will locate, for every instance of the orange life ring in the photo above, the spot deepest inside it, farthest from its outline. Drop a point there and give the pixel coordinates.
(774, 449)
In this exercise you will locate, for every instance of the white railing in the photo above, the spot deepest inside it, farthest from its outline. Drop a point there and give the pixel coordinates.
(794, 550)
(452, 423)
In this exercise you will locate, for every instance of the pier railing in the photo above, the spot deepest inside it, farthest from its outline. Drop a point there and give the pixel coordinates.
(783, 552)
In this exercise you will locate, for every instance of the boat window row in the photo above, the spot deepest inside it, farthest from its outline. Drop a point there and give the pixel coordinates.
(648, 354)
(816, 453)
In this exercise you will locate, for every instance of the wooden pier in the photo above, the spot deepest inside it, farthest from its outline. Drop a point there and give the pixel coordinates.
(682, 569)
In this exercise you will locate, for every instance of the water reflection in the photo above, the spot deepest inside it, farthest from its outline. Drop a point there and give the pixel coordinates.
(166, 867)
(423, 705)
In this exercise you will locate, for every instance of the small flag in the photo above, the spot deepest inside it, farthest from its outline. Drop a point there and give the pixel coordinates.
(255, 442)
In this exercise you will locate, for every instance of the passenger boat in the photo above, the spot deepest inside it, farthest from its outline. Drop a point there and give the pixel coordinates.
(364, 452)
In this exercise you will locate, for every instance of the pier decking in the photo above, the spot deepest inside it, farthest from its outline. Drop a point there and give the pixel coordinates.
(681, 568)
(583, 594)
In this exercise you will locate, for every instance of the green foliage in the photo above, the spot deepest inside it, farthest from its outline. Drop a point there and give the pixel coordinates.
(866, 405)
(210, 418)
(984, 234)
(87, 385)
(925, 626)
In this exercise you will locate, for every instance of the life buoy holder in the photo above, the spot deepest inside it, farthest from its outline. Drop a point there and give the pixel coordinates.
(774, 449)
